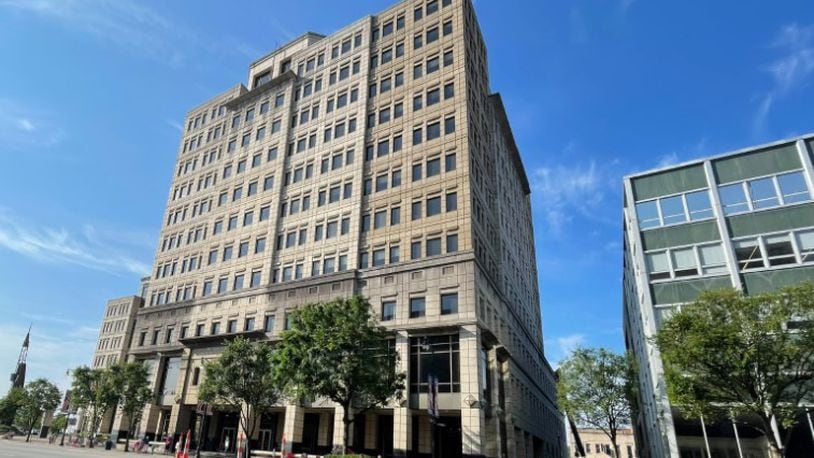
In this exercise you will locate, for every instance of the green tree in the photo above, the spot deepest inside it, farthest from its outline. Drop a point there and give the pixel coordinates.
(97, 391)
(40, 396)
(242, 378)
(135, 393)
(9, 405)
(593, 388)
(335, 350)
(728, 354)
(59, 423)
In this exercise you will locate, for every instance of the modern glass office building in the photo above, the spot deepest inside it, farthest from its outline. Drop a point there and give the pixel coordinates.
(741, 220)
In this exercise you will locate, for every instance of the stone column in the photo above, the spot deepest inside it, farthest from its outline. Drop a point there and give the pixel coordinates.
(294, 417)
(402, 420)
(472, 418)
(325, 429)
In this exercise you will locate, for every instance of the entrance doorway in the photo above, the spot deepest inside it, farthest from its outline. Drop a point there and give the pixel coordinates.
(231, 434)
(310, 432)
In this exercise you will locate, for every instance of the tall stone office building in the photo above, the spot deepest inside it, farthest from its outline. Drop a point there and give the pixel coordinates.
(741, 220)
(372, 161)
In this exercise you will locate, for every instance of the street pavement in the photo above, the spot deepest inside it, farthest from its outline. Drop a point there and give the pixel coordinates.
(18, 448)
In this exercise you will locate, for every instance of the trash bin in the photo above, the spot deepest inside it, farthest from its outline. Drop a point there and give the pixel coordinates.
(108, 444)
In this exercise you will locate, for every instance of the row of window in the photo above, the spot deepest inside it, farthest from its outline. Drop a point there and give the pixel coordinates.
(200, 330)
(418, 306)
(391, 255)
(750, 253)
(744, 196)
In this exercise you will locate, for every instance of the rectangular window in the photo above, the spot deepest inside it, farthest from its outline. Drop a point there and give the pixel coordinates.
(381, 183)
(379, 219)
(748, 254)
(238, 283)
(733, 198)
(378, 257)
(698, 205)
(415, 250)
(805, 241)
(432, 65)
(684, 262)
(712, 259)
(395, 215)
(779, 250)
(415, 210)
(388, 310)
(793, 187)
(648, 214)
(433, 130)
(763, 193)
(433, 167)
(449, 91)
(433, 96)
(449, 304)
(433, 206)
(449, 125)
(433, 247)
(448, 58)
(452, 243)
(268, 323)
(417, 307)
(672, 210)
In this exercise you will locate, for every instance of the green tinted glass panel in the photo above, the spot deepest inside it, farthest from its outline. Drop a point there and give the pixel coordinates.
(669, 182)
(757, 163)
(771, 220)
(684, 234)
(761, 282)
(686, 291)
(811, 150)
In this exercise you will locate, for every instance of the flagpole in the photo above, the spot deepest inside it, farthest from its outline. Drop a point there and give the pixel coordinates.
(737, 438)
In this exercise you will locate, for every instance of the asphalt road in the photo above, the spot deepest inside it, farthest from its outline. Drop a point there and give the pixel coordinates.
(18, 448)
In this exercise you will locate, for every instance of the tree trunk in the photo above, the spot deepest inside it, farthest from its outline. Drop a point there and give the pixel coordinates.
(28, 434)
(346, 422)
(127, 440)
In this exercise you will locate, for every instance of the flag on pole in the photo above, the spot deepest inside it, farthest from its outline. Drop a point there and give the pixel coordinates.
(186, 445)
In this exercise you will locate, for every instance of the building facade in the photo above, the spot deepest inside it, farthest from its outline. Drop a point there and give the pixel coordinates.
(596, 443)
(116, 331)
(742, 220)
(372, 161)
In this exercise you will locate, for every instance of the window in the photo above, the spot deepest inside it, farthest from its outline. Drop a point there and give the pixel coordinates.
(805, 241)
(793, 187)
(433, 167)
(394, 254)
(452, 243)
(247, 218)
(698, 205)
(396, 178)
(388, 310)
(417, 307)
(395, 215)
(438, 356)
(433, 130)
(433, 206)
(231, 326)
(417, 41)
(448, 59)
(449, 304)
(684, 262)
(238, 283)
(748, 254)
(432, 35)
(417, 136)
(433, 96)
(381, 183)
(365, 223)
(232, 222)
(712, 259)
(447, 28)
(207, 288)
(415, 250)
(763, 193)
(733, 198)
(672, 210)
(248, 325)
(243, 249)
(379, 219)
(779, 250)
(227, 253)
(648, 214)
(378, 257)
(432, 65)
(415, 211)
(417, 71)
(268, 323)
(264, 213)
(452, 201)
(434, 246)
(449, 125)
(416, 171)
(214, 329)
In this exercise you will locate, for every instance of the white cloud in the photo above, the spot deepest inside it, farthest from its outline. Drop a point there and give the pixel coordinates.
(562, 190)
(132, 26)
(26, 127)
(790, 71)
(561, 347)
(59, 246)
(668, 159)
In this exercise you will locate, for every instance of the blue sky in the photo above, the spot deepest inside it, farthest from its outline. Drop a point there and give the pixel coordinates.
(92, 94)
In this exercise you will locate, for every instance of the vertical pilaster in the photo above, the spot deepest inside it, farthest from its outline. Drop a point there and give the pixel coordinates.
(294, 417)
(339, 428)
(718, 209)
(402, 420)
(472, 418)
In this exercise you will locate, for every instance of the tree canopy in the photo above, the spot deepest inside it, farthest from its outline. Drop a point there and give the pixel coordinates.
(97, 391)
(335, 350)
(242, 377)
(593, 389)
(39, 397)
(135, 393)
(9, 405)
(728, 354)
